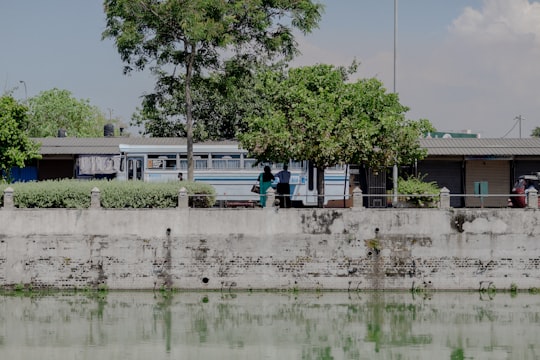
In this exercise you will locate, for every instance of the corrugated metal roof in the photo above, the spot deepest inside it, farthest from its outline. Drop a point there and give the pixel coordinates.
(103, 145)
(486, 147)
(435, 147)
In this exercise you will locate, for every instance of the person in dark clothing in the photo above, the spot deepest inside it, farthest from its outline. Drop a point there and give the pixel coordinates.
(283, 187)
(265, 181)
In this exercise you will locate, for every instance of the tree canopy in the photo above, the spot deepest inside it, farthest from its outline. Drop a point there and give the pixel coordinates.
(16, 148)
(57, 109)
(182, 41)
(314, 113)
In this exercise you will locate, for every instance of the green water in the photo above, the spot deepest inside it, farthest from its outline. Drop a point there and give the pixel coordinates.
(382, 325)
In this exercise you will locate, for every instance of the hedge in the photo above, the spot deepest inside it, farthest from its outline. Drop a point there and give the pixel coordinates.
(75, 194)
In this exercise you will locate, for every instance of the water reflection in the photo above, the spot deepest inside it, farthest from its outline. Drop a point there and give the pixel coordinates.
(378, 325)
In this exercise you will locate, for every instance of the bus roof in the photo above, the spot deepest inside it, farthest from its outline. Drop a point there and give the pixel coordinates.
(167, 149)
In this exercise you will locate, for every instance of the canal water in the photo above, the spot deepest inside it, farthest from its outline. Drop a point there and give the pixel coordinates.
(270, 325)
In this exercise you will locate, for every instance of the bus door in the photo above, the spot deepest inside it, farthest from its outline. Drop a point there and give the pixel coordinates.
(134, 167)
(308, 193)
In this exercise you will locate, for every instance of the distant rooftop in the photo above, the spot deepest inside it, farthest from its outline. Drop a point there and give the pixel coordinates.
(434, 146)
(451, 134)
(475, 146)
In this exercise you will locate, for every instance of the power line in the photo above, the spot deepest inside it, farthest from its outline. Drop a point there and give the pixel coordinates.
(518, 119)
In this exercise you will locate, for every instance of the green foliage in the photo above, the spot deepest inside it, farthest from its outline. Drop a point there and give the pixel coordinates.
(57, 109)
(315, 114)
(374, 244)
(457, 354)
(51, 194)
(224, 99)
(220, 103)
(137, 194)
(16, 148)
(419, 191)
(536, 132)
(195, 33)
(513, 288)
(114, 194)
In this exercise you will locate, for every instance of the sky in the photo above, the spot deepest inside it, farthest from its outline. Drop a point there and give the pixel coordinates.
(465, 65)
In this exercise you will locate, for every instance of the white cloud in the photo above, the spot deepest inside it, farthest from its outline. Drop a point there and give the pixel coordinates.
(484, 74)
(500, 21)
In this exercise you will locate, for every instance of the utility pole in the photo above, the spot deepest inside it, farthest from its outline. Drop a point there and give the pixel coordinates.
(395, 40)
(519, 119)
(395, 167)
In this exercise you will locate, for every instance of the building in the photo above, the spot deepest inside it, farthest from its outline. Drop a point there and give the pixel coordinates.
(461, 164)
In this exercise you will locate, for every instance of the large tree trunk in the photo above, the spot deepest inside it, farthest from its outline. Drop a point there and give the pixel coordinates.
(320, 187)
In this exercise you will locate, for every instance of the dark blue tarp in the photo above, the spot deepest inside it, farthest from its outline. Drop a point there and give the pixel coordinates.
(25, 174)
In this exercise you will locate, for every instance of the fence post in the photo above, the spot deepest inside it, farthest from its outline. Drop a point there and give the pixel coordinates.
(358, 202)
(444, 203)
(270, 198)
(532, 199)
(95, 198)
(183, 199)
(8, 198)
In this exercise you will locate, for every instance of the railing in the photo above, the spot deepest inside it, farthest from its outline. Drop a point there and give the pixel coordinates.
(454, 200)
(354, 200)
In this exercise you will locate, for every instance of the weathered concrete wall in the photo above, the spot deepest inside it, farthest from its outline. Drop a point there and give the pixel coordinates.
(268, 249)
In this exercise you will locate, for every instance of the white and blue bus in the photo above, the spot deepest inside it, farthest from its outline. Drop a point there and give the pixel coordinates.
(229, 170)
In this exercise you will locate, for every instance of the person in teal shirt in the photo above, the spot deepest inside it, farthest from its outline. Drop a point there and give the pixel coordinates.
(265, 181)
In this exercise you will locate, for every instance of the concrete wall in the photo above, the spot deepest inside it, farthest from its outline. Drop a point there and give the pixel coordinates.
(268, 249)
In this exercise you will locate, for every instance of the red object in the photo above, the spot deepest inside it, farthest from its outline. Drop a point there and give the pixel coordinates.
(518, 198)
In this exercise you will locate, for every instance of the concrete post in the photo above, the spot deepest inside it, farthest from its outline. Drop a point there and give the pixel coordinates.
(183, 199)
(358, 202)
(444, 202)
(95, 199)
(8, 198)
(532, 199)
(270, 198)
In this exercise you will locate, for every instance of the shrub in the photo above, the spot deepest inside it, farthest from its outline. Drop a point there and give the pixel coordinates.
(417, 191)
(51, 194)
(114, 194)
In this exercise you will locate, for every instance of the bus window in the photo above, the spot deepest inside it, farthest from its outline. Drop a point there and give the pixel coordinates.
(165, 162)
(295, 165)
(200, 162)
(226, 161)
(248, 163)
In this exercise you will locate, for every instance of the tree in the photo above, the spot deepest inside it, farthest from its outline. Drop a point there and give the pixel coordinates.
(195, 35)
(536, 132)
(313, 113)
(16, 148)
(57, 109)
